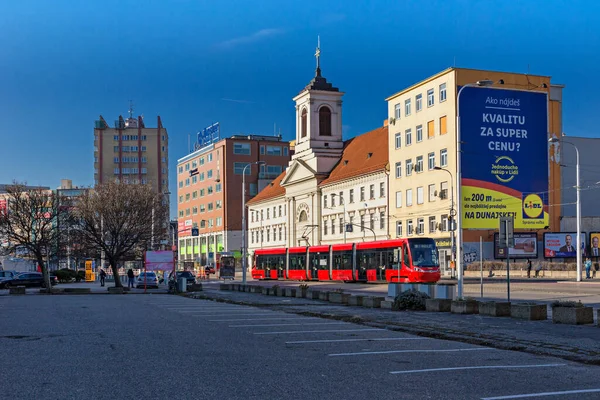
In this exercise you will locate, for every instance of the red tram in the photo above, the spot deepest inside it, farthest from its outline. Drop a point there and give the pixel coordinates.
(397, 260)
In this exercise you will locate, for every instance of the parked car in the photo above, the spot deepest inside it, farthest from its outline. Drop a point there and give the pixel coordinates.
(148, 279)
(27, 279)
(188, 275)
(4, 275)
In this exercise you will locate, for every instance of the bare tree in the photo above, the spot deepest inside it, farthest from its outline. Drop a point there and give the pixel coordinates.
(28, 221)
(121, 220)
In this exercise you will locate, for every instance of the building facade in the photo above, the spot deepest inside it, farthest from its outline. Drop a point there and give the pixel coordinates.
(422, 156)
(209, 185)
(132, 153)
(333, 190)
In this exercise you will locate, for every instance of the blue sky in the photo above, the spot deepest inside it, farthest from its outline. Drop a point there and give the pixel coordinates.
(194, 62)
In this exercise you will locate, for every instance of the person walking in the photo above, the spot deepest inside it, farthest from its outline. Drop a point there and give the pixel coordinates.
(588, 267)
(528, 268)
(130, 276)
(102, 277)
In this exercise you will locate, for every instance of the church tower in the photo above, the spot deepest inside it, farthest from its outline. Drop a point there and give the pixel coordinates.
(319, 123)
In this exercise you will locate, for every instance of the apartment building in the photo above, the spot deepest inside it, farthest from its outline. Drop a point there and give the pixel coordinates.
(130, 152)
(209, 192)
(423, 150)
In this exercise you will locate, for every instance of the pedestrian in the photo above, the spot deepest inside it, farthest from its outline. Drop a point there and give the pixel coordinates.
(596, 267)
(538, 268)
(130, 277)
(102, 277)
(528, 268)
(207, 272)
(588, 267)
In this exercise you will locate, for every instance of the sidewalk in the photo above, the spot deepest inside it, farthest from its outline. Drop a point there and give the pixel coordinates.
(570, 342)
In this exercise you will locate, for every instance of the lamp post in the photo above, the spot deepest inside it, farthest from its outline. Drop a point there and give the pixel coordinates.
(244, 259)
(459, 261)
(577, 206)
(343, 203)
(452, 212)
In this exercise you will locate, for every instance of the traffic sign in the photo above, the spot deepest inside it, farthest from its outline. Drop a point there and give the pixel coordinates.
(195, 232)
(507, 235)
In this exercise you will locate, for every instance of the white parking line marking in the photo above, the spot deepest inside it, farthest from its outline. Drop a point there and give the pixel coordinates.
(408, 351)
(224, 310)
(226, 315)
(302, 324)
(479, 367)
(354, 340)
(522, 396)
(323, 331)
(255, 319)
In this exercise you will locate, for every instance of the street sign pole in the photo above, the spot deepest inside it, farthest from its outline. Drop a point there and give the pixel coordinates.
(507, 236)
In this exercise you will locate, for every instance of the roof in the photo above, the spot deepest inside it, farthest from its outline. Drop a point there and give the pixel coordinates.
(363, 154)
(273, 189)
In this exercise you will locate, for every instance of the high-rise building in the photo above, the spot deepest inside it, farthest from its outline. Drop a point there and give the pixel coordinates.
(130, 152)
(209, 192)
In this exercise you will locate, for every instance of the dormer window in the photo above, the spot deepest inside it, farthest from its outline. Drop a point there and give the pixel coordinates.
(303, 122)
(325, 121)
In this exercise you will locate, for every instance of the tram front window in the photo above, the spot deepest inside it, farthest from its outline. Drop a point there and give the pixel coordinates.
(424, 252)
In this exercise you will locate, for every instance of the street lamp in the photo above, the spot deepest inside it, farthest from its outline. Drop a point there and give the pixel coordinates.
(459, 261)
(578, 205)
(452, 212)
(343, 203)
(244, 259)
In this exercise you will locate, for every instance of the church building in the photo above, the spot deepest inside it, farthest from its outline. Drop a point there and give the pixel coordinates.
(333, 191)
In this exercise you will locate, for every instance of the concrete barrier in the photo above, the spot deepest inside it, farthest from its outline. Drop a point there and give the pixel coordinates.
(339, 298)
(355, 300)
(77, 290)
(290, 292)
(387, 304)
(372, 302)
(312, 294)
(444, 291)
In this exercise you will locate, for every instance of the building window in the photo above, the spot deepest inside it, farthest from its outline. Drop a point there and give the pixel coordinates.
(209, 158)
(372, 221)
(408, 137)
(303, 216)
(432, 224)
(445, 223)
(241, 148)
(268, 214)
(304, 122)
(209, 174)
(324, 227)
(285, 151)
(444, 157)
(194, 210)
(194, 195)
(268, 234)
(419, 164)
(398, 228)
(180, 184)
(238, 168)
(273, 150)
(382, 220)
(219, 221)
(210, 206)
(421, 226)
(202, 192)
(398, 169)
(116, 171)
(116, 160)
(442, 92)
(280, 211)
(398, 199)
(444, 190)
(409, 167)
(362, 193)
(362, 223)
(252, 237)
(419, 102)
(202, 161)
(280, 233)
(342, 225)
(180, 169)
(351, 192)
(430, 98)
(409, 227)
(187, 167)
(431, 161)
(443, 125)
(431, 189)
(194, 179)
(341, 197)
(332, 199)
(203, 222)
(430, 130)
(371, 192)
(419, 133)
(187, 197)
(218, 204)
(397, 111)
(187, 182)
(407, 107)
(253, 189)
(333, 226)
(381, 189)
(218, 187)
(324, 121)
(116, 138)
(420, 195)
(116, 149)
(408, 197)
(398, 140)
(187, 212)
(325, 201)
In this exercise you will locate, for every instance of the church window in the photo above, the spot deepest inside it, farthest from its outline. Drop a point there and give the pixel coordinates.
(303, 217)
(324, 121)
(303, 122)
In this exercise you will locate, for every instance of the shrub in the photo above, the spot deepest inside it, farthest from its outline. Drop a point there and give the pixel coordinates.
(65, 275)
(410, 300)
(303, 287)
(80, 276)
(571, 304)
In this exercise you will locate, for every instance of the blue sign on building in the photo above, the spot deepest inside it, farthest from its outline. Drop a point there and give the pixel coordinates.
(504, 156)
(209, 135)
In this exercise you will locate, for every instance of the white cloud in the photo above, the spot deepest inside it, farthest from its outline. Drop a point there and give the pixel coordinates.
(255, 37)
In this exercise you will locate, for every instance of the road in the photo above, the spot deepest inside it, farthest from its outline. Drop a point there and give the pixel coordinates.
(162, 346)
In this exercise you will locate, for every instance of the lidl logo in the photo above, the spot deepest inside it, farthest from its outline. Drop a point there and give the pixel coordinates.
(533, 207)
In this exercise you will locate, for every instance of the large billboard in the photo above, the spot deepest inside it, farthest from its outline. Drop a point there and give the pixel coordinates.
(525, 246)
(594, 248)
(209, 135)
(562, 245)
(504, 156)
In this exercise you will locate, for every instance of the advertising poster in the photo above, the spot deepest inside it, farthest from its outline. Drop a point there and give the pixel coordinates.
(525, 246)
(594, 250)
(562, 245)
(504, 156)
(159, 260)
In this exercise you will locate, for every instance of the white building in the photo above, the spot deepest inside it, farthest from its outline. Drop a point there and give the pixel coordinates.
(329, 184)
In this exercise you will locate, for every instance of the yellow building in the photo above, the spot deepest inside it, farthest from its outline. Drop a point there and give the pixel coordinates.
(422, 138)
